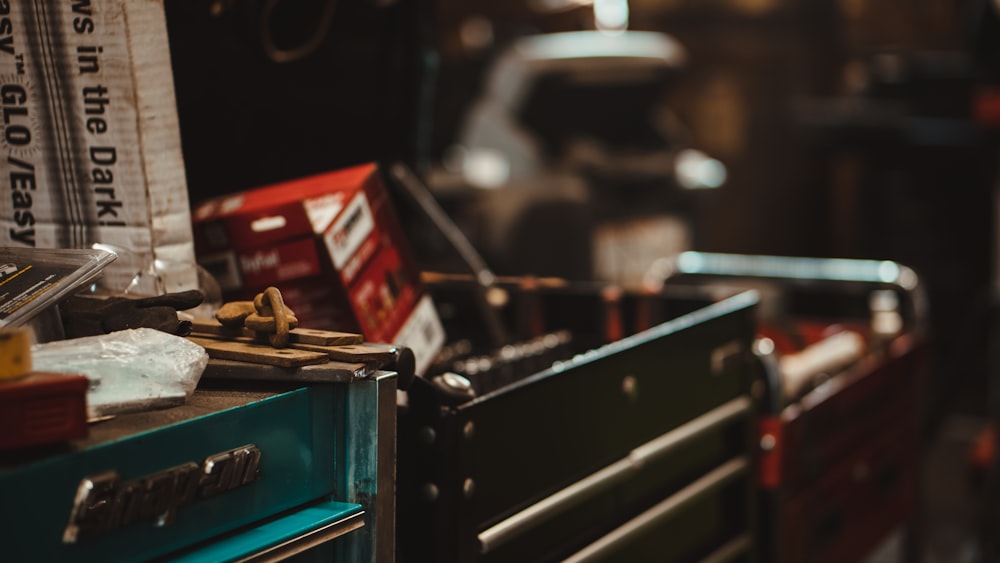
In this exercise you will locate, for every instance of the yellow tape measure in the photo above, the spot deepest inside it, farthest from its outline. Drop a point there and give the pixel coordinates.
(15, 353)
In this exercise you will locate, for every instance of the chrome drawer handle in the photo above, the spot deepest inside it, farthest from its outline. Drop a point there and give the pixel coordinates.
(619, 471)
(624, 534)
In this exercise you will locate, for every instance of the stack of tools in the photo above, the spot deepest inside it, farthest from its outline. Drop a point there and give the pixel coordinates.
(544, 321)
(260, 339)
(37, 408)
(500, 367)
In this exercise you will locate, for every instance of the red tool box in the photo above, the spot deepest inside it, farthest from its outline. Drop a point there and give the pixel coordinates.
(332, 244)
(839, 442)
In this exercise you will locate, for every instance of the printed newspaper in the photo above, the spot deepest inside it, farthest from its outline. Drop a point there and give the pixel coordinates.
(91, 147)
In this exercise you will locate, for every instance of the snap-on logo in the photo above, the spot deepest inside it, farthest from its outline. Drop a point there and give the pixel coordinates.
(107, 502)
(349, 231)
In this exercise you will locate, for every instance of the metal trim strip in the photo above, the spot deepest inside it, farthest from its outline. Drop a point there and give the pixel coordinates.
(308, 540)
(740, 545)
(279, 538)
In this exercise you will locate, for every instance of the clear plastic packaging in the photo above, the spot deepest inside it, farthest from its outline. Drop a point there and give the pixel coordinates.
(129, 370)
(34, 279)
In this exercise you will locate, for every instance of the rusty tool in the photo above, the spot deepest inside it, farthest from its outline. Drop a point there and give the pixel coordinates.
(266, 314)
(242, 326)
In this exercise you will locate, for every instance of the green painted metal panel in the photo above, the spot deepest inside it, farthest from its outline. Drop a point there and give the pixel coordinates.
(571, 421)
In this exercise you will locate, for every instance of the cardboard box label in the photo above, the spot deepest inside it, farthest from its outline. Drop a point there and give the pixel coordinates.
(322, 210)
(423, 333)
(350, 230)
(271, 266)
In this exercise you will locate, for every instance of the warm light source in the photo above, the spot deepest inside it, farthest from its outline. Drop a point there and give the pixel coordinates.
(611, 16)
(696, 170)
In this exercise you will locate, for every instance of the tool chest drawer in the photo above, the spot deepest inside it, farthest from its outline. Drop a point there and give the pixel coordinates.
(171, 483)
(704, 521)
(609, 453)
(855, 503)
(879, 400)
(849, 460)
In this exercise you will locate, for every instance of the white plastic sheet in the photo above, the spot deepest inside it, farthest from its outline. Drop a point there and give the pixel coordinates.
(129, 370)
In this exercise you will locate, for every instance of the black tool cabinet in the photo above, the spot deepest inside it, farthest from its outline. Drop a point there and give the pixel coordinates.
(637, 449)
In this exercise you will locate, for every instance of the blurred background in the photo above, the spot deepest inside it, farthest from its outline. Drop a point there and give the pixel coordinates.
(584, 139)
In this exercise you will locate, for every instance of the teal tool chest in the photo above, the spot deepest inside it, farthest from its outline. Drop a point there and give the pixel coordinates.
(237, 473)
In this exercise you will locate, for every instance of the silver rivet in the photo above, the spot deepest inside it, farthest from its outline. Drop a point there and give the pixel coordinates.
(630, 386)
(768, 442)
(429, 492)
(427, 435)
(763, 346)
(456, 381)
(469, 488)
(469, 430)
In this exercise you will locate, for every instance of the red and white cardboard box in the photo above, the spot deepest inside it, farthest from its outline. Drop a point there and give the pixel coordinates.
(333, 245)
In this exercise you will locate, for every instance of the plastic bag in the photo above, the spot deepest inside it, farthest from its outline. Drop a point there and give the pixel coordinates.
(129, 370)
